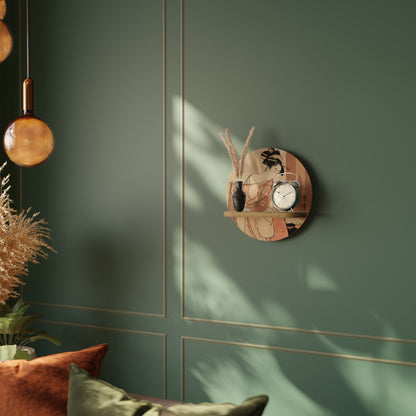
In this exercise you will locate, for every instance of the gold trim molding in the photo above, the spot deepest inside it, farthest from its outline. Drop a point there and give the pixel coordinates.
(305, 331)
(94, 309)
(164, 156)
(281, 349)
(182, 158)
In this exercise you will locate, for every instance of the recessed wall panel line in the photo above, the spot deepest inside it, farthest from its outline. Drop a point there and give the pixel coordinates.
(183, 368)
(91, 308)
(305, 331)
(164, 129)
(105, 328)
(302, 351)
(182, 158)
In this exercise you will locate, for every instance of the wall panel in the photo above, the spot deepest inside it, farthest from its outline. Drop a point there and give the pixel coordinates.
(312, 76)
(297, 381)
(102, 190)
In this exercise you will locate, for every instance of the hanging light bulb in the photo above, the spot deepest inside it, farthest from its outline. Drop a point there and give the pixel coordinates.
(2, 8)
(6, 41)
(28, 141)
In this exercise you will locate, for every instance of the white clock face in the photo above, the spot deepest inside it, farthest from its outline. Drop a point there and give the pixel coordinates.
(284, 196)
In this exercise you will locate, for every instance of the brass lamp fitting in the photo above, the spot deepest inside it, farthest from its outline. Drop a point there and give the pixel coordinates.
(28, 96)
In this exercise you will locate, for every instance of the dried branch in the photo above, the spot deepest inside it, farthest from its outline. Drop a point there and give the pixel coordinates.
(245, 149)
(238, 165)
(22, 241)
(236, 160)
(232, 151)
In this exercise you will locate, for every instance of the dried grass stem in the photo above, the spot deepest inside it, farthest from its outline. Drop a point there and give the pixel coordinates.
(237, 163)
(23, 240)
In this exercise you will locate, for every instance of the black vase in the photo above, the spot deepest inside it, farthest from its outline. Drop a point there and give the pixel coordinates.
(239, 196)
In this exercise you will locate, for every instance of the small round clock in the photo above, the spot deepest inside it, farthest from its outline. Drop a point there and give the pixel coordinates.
(285, 194)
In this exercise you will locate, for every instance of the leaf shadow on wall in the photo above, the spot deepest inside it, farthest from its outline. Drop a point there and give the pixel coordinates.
(294, 283)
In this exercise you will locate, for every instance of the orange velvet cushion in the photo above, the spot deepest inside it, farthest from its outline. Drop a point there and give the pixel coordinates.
(40, 387)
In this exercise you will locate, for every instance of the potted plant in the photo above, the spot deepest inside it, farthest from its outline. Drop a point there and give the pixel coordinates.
(23, 239)
(15, 334)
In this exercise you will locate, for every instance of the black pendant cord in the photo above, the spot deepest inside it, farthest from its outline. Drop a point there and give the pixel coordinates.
(27, 41)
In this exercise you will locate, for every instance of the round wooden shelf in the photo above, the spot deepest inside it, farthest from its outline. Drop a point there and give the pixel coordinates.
(265, 214)
(258, 219)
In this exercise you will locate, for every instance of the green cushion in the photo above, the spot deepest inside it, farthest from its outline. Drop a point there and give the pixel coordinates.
(88, 396)
(253, 406)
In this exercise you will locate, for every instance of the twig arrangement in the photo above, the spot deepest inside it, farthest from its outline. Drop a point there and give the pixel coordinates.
(22, 240)
(238, 164)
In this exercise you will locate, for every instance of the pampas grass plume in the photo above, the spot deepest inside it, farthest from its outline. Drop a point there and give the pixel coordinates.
(23, 240)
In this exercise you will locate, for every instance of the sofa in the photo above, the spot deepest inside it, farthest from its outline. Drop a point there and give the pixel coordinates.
(67, 384)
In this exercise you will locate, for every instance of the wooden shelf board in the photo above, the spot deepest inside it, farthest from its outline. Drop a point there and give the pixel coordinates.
(265, 214)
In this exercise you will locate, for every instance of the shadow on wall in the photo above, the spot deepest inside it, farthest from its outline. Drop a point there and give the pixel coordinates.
(230, 277)
(114, 258)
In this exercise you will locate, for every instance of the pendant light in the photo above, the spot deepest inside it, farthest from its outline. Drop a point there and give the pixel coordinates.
(6, 41)
(28, 141)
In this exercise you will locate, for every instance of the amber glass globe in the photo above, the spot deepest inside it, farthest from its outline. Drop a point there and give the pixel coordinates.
(2, 8)
(6, 41)
(28, 141)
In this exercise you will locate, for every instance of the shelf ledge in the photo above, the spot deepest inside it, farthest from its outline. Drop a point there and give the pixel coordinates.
(265, 214)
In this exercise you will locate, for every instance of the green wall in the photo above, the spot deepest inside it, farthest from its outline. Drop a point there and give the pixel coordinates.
(192, 308)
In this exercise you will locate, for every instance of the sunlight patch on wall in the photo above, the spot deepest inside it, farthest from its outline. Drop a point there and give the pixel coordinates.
(318, 279)
(383, 389)
(271, 309)
(387, 328)
(253, 372)
(385, 350)
(214, 295)
(206, 157)
(211, 292)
